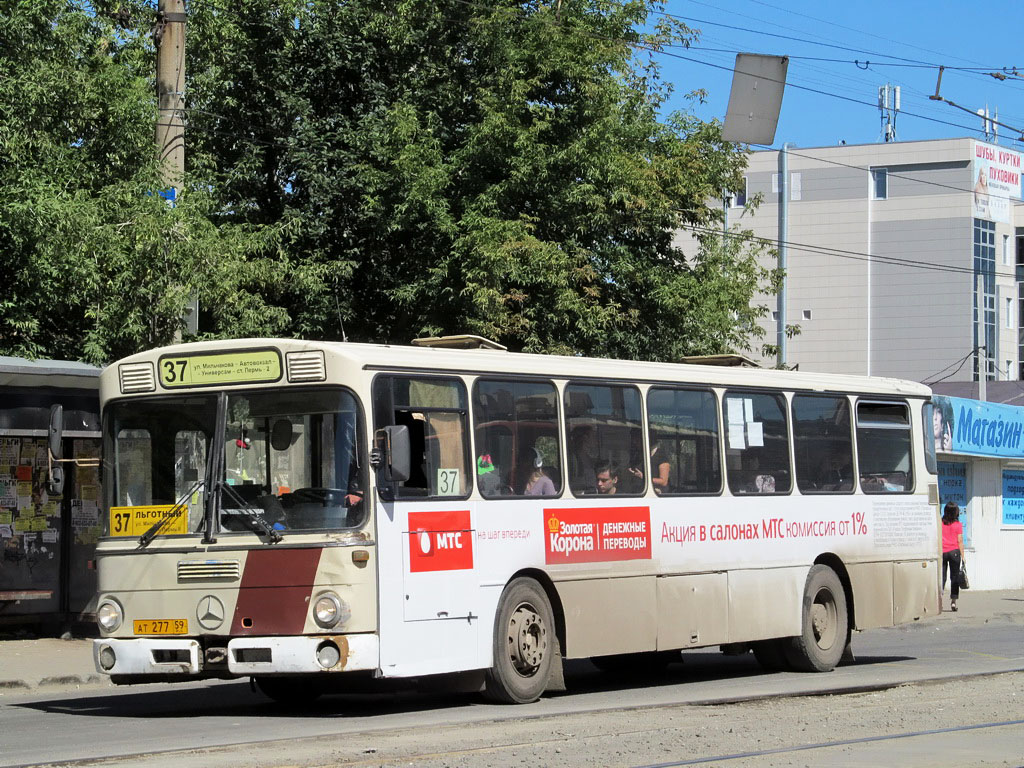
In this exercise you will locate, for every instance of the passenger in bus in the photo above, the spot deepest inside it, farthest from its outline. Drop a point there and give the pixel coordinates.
(607, 478)
(538, 483)
(487, 478)
(661, 470)
(582, 459)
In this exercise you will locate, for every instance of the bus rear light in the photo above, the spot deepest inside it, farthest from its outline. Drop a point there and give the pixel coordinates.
(328, 654)
(107, 658)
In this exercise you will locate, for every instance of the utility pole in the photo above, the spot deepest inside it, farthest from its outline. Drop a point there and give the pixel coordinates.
(169, 38)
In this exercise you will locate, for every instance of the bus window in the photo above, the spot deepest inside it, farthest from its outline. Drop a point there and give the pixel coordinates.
(757, 443)
(515, 426)
(295, 456)
(883, 447)
(683, 433)
(605, 436)
(189, 467)
(823, 444)
(133, 459)
(434, 410)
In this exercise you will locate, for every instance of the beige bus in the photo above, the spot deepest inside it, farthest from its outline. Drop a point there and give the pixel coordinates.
(302, 512)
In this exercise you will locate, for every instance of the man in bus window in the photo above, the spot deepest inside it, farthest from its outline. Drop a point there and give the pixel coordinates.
(607, 478)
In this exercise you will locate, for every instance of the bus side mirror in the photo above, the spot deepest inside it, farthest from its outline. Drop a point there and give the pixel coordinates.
(392, 454)
(55, 482)
(56, 432)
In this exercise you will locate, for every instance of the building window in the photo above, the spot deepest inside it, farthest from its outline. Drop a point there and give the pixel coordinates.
(1009, 312)
(879, 183)
(739, 197)
(985, 268)
(1006, 251)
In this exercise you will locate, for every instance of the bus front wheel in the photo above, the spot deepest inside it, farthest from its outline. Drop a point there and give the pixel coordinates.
(820, 645)
(524, 645)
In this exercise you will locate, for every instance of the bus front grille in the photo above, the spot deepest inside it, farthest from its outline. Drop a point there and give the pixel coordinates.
(208, 570)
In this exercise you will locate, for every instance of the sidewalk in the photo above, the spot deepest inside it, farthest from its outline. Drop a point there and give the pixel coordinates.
(52, 664)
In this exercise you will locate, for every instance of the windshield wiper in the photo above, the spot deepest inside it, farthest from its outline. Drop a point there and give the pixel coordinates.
(173, 512)
(252, 518)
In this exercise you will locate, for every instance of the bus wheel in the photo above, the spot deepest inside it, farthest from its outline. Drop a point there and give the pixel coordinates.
(771, 654)
(293, 691)
(524, 645)
(820, 644)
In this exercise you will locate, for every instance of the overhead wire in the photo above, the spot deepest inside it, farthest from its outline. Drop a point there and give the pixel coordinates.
(842, 253)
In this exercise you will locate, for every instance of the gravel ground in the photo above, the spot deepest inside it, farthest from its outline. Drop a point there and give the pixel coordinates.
(933, 725)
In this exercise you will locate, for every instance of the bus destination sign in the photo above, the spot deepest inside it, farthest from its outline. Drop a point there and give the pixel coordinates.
(226, 368)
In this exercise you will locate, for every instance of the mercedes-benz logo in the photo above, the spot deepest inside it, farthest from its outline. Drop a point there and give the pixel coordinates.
(210, 612)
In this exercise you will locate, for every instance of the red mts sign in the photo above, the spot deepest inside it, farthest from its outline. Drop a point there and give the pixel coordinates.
(440, 541)
(598, 534)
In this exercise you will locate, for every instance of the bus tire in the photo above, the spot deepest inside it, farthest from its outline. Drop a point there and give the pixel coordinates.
(820, 644)
(771, 654)
(524, 645)
(290, 691)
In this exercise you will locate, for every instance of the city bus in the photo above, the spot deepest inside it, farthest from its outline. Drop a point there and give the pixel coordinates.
(308, 513)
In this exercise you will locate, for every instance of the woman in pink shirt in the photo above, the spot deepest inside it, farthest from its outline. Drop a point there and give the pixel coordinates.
(952, 550)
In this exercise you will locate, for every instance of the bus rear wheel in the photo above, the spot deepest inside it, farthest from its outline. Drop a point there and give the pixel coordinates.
(524, 645)
(820, 644)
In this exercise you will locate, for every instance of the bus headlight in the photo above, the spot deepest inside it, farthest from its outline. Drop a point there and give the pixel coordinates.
(109, 615)
(329, 610)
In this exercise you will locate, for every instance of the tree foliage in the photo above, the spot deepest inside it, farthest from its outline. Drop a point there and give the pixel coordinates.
(369, 169)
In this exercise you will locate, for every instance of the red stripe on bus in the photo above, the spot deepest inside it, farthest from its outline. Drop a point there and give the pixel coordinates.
(274, 595)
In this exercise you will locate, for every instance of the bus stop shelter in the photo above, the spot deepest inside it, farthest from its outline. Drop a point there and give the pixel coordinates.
(47, 541)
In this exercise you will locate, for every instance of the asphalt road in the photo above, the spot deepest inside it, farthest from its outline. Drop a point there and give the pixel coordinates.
(215, 724)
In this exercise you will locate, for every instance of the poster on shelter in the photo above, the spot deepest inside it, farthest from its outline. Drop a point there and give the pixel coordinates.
(995, 181)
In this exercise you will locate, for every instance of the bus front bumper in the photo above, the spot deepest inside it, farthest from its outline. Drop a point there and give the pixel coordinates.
(154, 656)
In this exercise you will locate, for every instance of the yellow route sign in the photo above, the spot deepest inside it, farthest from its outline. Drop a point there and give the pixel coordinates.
(135, 521)
(221, 368)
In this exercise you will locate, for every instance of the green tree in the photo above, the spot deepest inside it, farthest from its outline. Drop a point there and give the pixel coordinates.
(495, 167)
(97, 265)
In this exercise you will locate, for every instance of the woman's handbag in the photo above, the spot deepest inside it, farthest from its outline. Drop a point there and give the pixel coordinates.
(964, 583)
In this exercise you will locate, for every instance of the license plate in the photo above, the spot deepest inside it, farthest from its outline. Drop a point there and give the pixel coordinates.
(161, 627)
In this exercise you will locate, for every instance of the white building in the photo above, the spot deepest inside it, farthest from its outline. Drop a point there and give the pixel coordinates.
(884, 243)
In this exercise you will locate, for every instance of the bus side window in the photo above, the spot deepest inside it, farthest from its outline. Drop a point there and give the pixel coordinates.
(516, 430)
(605, 432)
(435, 411)
(823, 444)
(884, 447)
(683, 432)
(756, 443)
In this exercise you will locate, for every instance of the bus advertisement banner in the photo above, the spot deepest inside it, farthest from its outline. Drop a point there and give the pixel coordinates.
(597, 534)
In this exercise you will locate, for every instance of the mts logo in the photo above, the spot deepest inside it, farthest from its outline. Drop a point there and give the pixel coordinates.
(440, 541)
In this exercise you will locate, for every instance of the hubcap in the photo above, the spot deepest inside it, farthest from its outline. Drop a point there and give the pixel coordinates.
(824, 621)
(527, 639)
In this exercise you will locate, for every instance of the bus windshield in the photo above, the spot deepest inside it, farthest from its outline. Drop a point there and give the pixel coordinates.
(293, 457)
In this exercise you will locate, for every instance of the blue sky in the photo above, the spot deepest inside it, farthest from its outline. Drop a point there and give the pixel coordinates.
(901, 43)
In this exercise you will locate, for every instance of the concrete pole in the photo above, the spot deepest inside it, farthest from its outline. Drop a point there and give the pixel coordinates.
(780, 337)
(170, 125)
(170, 91)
